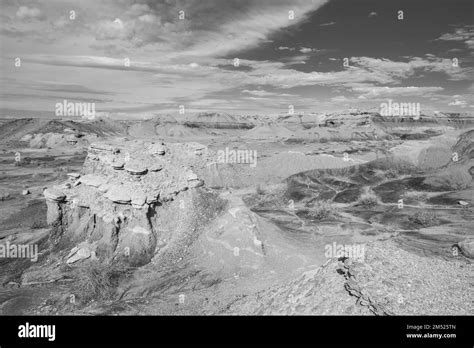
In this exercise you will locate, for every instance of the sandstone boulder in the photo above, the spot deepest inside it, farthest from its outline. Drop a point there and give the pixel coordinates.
(71, 139)
(74, 175)
(138, 199)
(467, 247)
(155, 167)
(118, 164)
(92, 180)
(119, 194)
(156, 149)
(136, 168)
(192, 176)
(81, 252)
(53, 194)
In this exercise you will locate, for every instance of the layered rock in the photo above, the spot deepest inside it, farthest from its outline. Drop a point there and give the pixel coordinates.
(125, 188)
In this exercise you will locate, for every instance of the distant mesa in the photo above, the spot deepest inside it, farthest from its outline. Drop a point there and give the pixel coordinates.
(268, 131)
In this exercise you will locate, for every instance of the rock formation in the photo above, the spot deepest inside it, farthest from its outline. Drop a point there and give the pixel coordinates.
(131, 199)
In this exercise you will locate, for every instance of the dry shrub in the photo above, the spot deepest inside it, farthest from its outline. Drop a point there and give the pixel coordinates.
(391, 173)
(97, 280)
(322, 210)
(425, 218)
(368, 199)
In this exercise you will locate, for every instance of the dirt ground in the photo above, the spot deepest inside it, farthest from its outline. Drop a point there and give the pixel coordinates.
(402, 198)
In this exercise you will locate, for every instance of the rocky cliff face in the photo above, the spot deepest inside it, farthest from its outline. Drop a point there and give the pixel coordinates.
(132, 200)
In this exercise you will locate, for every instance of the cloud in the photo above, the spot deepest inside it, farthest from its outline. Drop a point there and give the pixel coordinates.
(392, 92)
(211, 28)
(139, 9)
(25, 12)
(339, 99)
(364, 72)
(299, 59)
(111, 30)
(238, 32)
(148, 18)
(465, 34)
(327, 24)
(306, 49)
(398, 70)
(262, 93)
(458, 102)
(192, 59)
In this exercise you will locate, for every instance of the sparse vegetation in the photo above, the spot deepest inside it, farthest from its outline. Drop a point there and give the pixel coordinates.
(391, 173)
(425, 218)
(368, 199)
(24, 162)
(271, 197)
(97, 280)
(322, 210)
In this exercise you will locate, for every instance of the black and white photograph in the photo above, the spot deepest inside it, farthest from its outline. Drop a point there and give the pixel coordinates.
(237, 158)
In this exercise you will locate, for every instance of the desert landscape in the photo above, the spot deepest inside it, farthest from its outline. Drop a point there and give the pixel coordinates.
(145, 218)
(304, 157)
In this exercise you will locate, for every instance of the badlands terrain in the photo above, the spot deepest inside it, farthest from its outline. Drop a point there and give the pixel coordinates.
(227, 214)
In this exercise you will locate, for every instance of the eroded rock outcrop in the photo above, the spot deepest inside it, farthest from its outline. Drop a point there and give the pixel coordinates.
(132, 199)
(387, 282)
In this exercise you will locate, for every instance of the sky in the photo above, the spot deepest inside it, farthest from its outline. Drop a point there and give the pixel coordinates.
(135, 58)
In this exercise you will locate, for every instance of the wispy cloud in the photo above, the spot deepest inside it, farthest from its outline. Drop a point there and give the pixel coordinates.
(327, 24)
(463, 34)
(141, 54)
